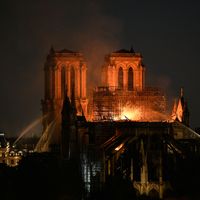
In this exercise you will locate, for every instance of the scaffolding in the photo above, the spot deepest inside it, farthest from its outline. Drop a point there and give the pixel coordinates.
(108, 103)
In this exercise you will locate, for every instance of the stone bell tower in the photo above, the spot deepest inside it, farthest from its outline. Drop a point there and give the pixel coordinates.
(123, 70)
(65, 72)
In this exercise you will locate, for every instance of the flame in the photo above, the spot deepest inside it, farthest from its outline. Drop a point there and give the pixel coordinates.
(131, 113)
(139, 113)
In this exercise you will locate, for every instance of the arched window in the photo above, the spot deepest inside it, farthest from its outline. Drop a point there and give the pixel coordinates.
(72, 81)
(120, 78)
(63, 82)
(130, 79)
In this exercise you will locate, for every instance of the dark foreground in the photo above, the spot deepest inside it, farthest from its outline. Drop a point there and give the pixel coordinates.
(45, 177)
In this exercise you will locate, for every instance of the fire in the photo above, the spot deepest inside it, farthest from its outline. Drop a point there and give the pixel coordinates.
(131, 113)
(139, 113)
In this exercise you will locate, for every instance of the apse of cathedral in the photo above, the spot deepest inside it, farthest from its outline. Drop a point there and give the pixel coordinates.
(125, 127)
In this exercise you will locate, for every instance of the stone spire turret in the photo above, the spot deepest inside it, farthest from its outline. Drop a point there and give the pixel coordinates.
(180, 110)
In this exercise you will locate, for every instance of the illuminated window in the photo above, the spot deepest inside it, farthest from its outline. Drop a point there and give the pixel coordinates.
(120, 78)
(130, 79)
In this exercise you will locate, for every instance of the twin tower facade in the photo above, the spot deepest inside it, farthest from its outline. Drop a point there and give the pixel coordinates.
(66, 73)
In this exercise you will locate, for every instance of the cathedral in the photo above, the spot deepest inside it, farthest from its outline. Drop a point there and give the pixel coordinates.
(125, 127)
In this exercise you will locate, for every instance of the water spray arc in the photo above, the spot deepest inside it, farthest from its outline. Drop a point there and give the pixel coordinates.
(29, 128)
(44, 141)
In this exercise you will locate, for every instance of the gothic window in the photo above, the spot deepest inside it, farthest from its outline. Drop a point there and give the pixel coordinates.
(130, 79)
(120, 78)
(63, 82)
(72, 81)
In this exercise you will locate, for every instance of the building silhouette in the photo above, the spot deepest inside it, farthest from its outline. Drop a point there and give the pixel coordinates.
(125, 129)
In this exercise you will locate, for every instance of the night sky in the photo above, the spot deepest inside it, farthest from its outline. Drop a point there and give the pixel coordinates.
(167, 33)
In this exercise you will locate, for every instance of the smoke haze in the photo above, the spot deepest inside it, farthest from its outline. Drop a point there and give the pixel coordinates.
(166, 33)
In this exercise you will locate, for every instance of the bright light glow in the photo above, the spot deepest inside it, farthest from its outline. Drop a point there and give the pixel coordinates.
(131, 113)
(119, 147)
(141, 113)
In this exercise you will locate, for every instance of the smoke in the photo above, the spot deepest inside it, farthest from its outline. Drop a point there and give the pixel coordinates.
(97, 35)
(94, 27)
(83, 26)
(30, 28)
(165, 83)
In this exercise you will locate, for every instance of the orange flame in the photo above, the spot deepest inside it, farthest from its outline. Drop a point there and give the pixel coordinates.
(137, 113)
(131, 113)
